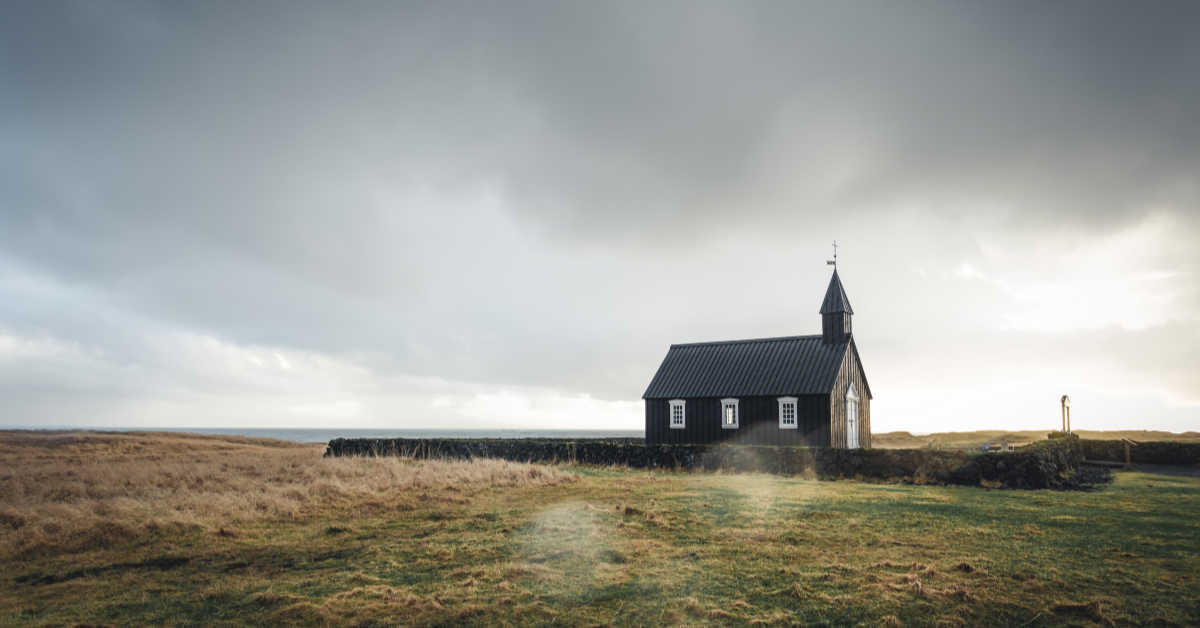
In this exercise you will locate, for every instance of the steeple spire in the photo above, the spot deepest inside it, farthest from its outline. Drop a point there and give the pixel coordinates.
(836, 312)
(836, 300)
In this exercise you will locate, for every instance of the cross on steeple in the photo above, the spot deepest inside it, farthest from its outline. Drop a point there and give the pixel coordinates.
(833, 262)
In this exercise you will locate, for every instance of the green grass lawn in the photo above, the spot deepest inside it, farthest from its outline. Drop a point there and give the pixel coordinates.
(625, 547)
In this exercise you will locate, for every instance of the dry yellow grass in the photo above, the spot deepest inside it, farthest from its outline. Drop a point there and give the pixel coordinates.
(78, 490)
(972, 440)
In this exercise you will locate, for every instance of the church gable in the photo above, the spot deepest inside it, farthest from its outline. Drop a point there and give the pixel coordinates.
(851, 383)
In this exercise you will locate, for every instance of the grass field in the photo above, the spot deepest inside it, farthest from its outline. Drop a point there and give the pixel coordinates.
(173, 529)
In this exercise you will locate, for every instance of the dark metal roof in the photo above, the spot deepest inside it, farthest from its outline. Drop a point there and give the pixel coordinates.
(798, 365)
(836, 300)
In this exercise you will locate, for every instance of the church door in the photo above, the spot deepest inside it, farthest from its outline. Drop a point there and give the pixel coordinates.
(851, 418)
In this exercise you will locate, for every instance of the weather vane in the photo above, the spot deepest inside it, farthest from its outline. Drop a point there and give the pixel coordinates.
(833, 262)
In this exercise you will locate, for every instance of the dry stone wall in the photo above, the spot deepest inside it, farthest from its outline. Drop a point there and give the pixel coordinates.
(1050, 464)
(1147, 452)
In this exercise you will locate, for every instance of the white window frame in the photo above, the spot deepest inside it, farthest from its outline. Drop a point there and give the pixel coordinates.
(737, 415)
(682, 405)
(794, 403)
(851, 417)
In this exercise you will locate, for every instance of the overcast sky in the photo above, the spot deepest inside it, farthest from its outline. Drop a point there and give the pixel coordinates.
(502, 214)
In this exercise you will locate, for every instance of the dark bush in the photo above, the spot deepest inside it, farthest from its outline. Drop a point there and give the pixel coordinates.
(1044, 464)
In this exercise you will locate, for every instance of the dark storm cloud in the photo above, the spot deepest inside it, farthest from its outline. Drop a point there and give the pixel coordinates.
(483, 192)
(603, 116)
(1067, 108)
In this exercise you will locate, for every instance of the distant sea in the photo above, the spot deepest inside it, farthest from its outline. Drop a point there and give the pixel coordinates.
(326, 435)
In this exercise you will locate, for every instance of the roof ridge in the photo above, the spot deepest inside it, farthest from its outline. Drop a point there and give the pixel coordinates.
(745, 341)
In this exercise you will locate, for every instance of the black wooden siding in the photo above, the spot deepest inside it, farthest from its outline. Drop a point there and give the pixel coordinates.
(758, 419)
(835, 328)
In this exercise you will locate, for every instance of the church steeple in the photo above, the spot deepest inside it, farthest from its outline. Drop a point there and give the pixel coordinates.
(836, 312)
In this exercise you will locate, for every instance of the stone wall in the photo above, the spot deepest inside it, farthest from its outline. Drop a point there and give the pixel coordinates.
(1043, 465)
(1150, 452)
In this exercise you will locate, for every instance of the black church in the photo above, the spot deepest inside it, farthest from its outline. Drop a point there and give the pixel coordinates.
(792, 390)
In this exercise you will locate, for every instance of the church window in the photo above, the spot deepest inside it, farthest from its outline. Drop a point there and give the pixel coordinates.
(787, 413)
(678, 414)
(729, 414)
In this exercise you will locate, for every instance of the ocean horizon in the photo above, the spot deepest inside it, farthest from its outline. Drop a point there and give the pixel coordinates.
(324, 435)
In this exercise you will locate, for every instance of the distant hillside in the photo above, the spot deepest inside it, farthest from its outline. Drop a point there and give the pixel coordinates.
(971, 440)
